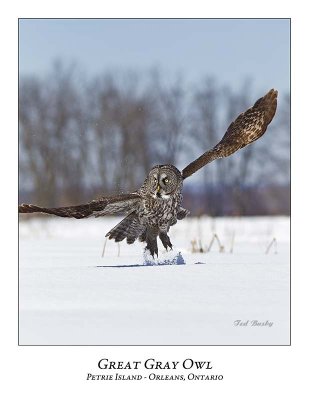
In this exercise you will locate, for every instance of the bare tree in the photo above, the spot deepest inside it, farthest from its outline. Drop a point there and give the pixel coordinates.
(53, 129)
(205, 132)
(168, 119)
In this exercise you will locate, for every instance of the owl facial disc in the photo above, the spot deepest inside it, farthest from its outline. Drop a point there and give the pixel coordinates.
(163, 181)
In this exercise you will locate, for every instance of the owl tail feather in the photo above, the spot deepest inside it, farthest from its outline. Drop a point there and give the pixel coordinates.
(129, 228)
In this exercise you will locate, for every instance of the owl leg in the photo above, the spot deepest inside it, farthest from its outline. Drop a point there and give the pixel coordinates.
(165, 240)
(151, 240)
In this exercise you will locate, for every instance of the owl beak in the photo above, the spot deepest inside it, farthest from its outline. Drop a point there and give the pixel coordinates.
(158, 191)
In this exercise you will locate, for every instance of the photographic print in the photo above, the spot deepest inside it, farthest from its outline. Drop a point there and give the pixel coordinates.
(154, 182)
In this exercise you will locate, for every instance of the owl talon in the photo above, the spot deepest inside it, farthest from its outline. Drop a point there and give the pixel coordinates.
(153, 250)
(153, 253)
(165, 240)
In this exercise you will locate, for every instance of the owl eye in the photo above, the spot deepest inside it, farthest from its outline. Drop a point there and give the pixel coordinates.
(165, 180)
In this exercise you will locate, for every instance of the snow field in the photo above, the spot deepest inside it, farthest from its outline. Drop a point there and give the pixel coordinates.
(70, 294)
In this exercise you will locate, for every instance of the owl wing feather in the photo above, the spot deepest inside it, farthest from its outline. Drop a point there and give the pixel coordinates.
(248, 127)
(99, 207)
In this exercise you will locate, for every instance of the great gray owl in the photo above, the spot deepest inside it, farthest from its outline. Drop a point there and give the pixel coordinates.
(156, 206)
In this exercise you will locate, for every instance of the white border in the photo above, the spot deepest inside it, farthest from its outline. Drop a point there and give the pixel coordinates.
(59, 372)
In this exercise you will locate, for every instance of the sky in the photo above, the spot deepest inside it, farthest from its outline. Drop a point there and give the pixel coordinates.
(230, 50)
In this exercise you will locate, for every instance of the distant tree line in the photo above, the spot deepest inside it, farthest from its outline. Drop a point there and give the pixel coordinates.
(79, 138)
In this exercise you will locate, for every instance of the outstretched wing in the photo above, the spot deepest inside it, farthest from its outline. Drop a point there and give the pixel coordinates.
(99, 207)
(248, 127)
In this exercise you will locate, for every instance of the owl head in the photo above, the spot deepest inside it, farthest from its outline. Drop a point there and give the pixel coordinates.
(163, 181)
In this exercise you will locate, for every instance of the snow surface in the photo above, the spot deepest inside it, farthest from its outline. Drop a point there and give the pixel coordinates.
(166, 258)
(70, 295)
